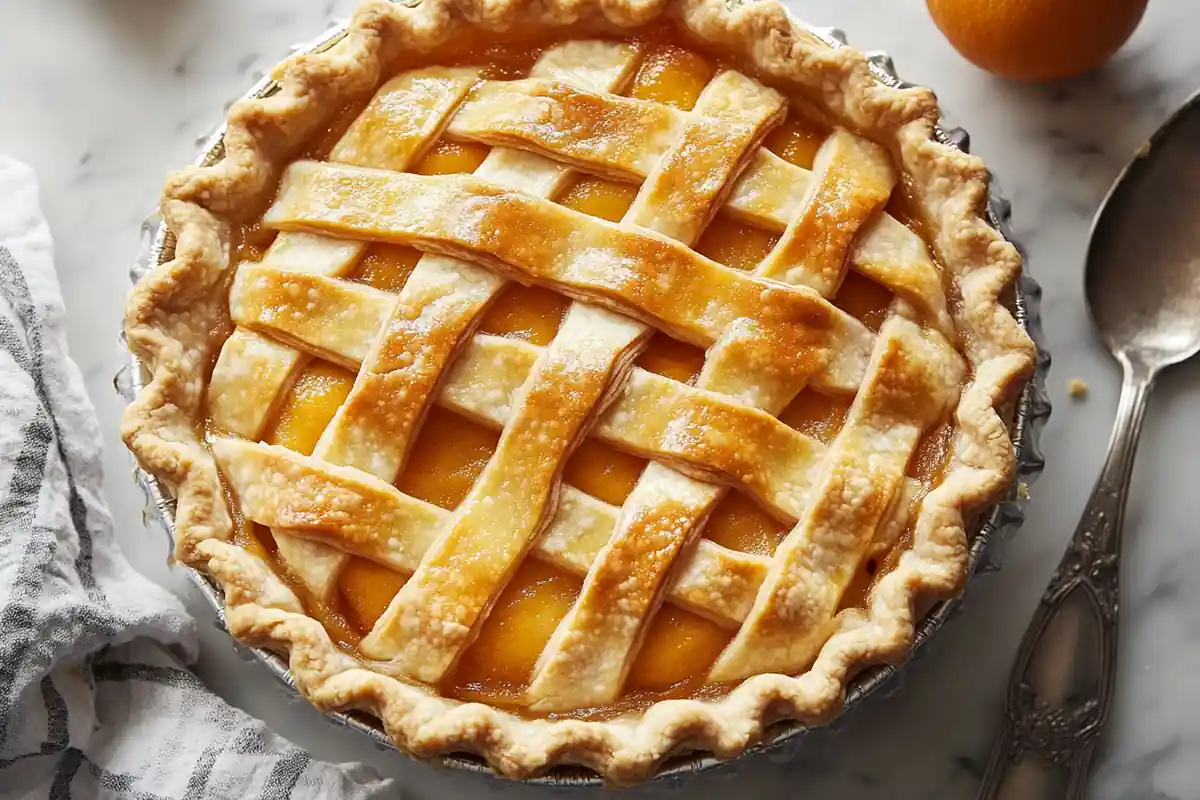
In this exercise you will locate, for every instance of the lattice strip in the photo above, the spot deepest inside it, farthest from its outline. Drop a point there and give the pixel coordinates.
(588, 657)
(855, 180)
(434, 616)
(914, 378)
(627, 138)
(691, 181)
(618, 137)
(686, 295)
(372, 518)
(406, 115)
(332, 319)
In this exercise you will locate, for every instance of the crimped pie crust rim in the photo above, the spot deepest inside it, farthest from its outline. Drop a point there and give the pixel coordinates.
(950, 189)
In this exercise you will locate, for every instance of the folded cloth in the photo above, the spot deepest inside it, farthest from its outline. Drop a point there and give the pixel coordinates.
(94, 698)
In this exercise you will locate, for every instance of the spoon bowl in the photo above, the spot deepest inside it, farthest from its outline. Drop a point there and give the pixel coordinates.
(1143, 263)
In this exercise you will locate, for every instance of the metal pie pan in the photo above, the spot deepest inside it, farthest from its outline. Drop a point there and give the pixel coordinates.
(998, 523)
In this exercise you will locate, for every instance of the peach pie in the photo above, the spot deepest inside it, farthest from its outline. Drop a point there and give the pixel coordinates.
(579, 382)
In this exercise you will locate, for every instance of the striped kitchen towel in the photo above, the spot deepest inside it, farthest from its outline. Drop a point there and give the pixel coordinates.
(94, 698)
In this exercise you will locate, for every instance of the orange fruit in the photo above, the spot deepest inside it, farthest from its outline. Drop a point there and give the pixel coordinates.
(1037, 40)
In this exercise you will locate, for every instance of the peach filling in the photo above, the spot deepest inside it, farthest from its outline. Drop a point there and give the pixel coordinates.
(451, 451)
(797, 140)
(315, 397)
(496, 667)
(386, 266)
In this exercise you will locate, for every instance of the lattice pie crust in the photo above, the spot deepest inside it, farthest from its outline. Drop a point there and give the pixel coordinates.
(948, 349)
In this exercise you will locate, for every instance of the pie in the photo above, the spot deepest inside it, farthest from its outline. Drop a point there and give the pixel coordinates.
(577, 382)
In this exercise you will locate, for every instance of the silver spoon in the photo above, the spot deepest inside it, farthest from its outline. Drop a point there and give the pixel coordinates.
(1142, 283)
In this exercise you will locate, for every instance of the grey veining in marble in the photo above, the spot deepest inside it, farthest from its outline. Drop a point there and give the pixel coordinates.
(102, 97)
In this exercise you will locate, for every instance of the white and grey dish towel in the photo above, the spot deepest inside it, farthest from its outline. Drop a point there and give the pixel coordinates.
(95, 700)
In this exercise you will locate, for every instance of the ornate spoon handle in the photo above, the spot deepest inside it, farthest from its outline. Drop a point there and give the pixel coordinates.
(1061, 685)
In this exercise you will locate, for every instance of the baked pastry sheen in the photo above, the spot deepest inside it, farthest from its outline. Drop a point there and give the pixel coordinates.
(579, 382)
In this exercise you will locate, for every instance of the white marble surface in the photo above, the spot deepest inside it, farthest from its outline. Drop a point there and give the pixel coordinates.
(103, 96)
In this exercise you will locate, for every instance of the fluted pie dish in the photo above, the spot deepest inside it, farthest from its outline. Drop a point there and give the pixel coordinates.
(579, 383)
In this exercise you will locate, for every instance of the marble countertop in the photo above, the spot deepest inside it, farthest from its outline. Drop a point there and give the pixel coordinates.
(110, 95)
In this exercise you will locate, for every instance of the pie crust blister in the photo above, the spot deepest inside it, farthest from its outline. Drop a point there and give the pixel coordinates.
(769, 333)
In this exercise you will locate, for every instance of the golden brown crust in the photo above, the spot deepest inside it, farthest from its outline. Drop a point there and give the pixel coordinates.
(176, 314)
(171, 320)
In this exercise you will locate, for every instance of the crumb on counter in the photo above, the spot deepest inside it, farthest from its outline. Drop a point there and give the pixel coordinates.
(1077, 388)
(1023, 490)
